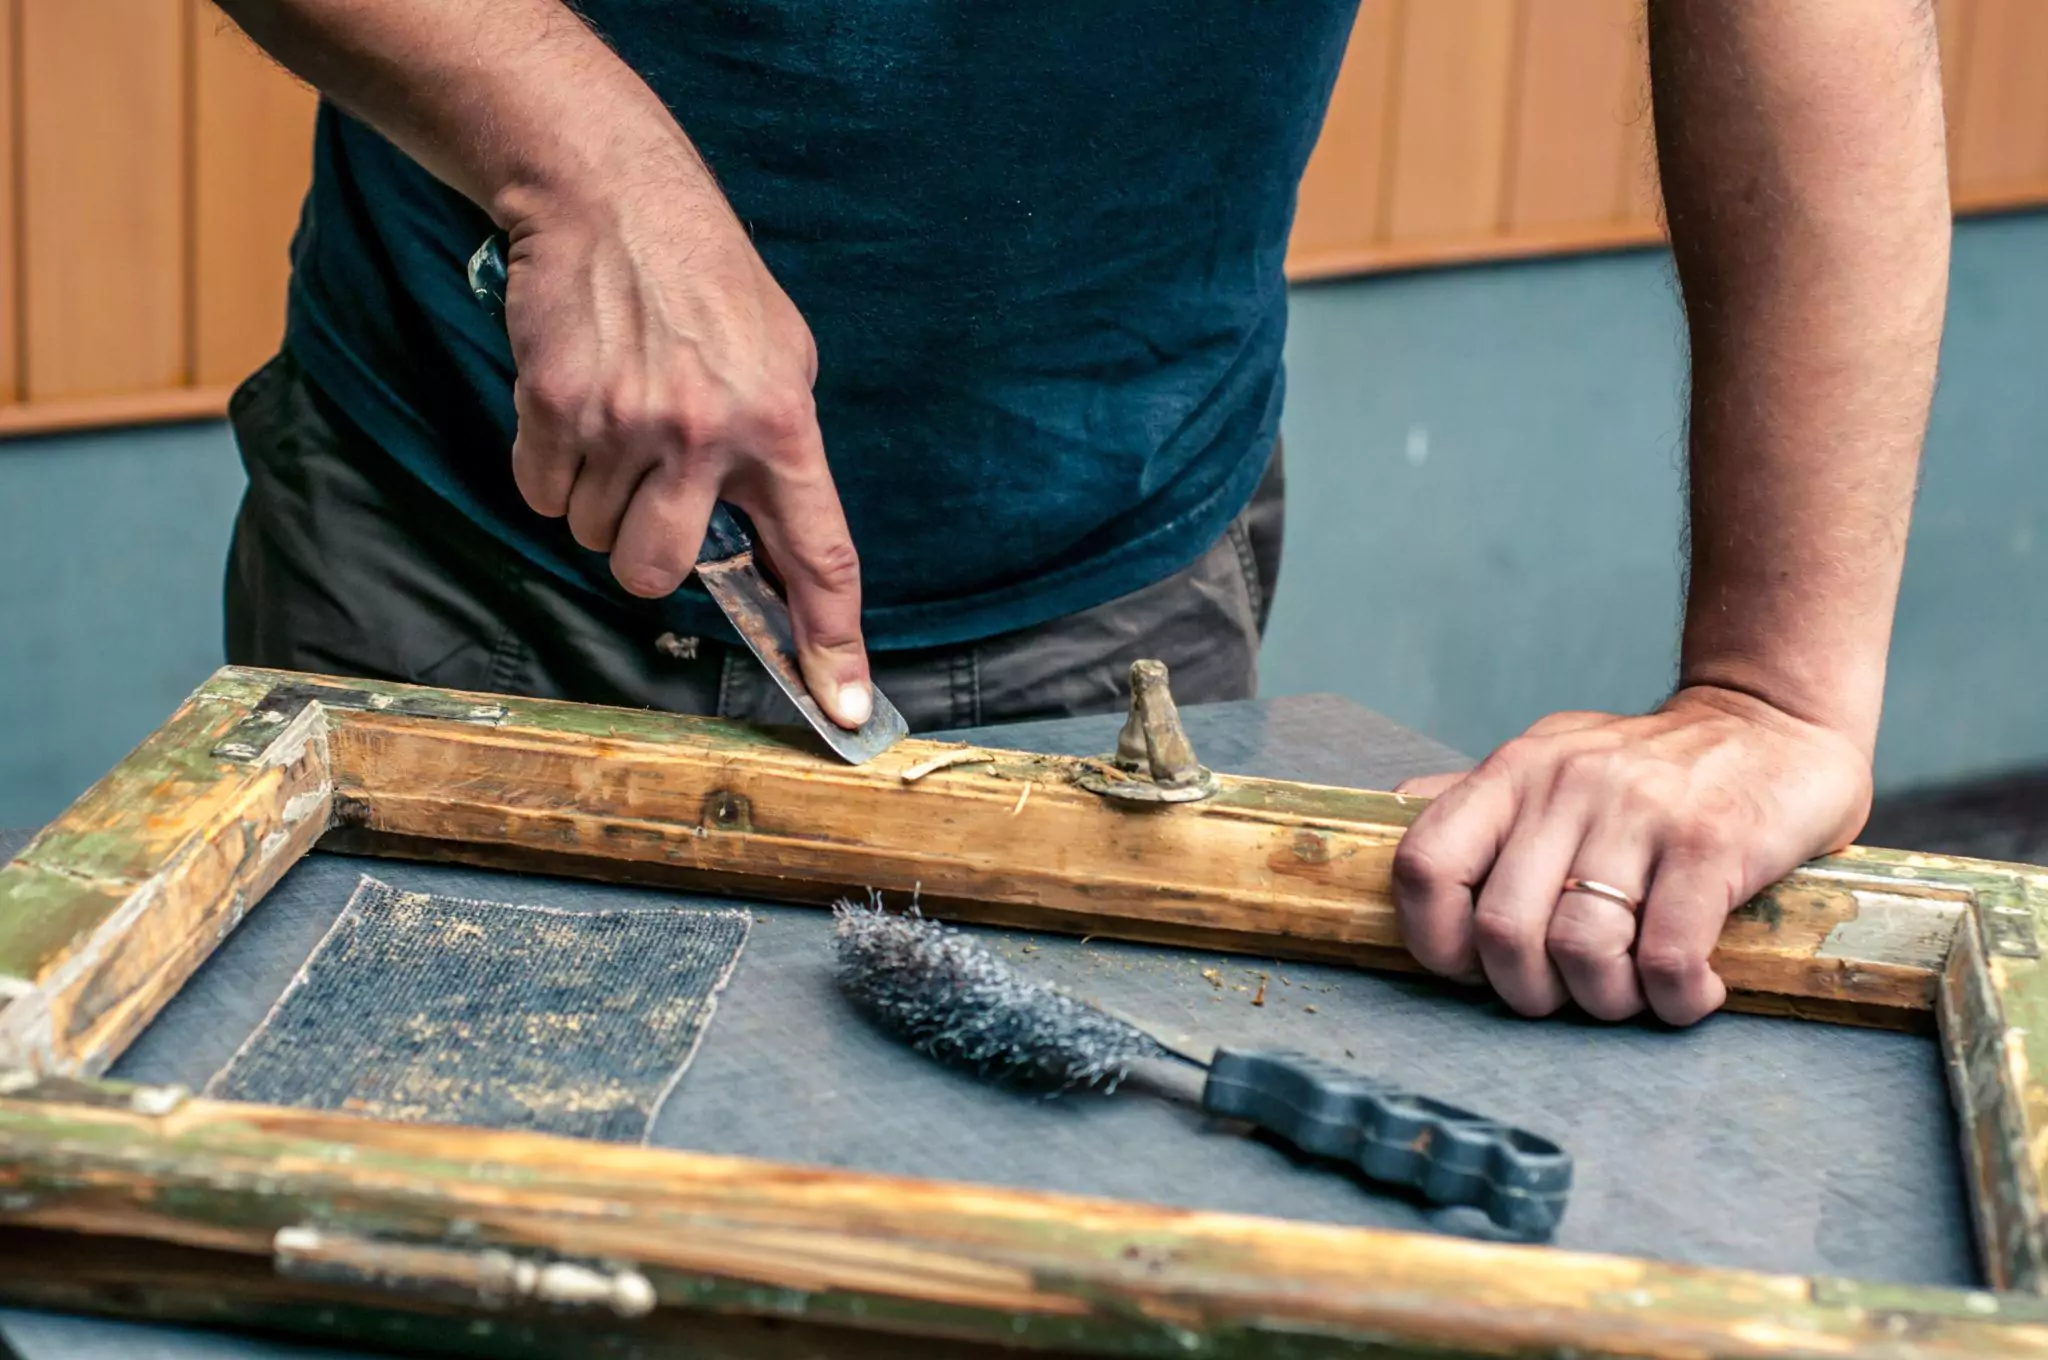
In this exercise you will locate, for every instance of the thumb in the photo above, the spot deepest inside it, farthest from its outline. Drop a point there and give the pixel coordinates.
(803, 529)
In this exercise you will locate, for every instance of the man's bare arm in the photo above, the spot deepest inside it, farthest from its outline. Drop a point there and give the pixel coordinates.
(1806, 187)
(505, 100)
(660, 366)
(1802, 154)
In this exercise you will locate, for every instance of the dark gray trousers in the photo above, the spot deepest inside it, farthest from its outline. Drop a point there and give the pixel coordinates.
(343, 563)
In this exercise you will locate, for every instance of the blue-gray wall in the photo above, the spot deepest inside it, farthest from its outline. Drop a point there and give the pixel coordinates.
(1483, 518)
(1484, 504)
(111, 548)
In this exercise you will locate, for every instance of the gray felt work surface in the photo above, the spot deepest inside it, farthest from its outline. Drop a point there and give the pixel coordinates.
(1768, 1144)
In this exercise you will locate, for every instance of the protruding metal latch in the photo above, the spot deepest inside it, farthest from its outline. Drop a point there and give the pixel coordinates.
(1154, 761)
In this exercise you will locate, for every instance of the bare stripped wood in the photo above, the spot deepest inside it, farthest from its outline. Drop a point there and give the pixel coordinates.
(1451, 119)
(107, 912)
(1575, 111)
(103, 188)
(1264, 866)
(1339, 208)
(2002, 139)
(252, 141)
(423, 1220)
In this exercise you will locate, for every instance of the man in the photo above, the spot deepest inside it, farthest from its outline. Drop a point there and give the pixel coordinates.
(1018, 268)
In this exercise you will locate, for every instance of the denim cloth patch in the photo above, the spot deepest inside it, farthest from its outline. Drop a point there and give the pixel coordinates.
(435, 1009)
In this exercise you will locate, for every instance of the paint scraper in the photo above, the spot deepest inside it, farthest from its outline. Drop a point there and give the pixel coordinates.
(730, 571)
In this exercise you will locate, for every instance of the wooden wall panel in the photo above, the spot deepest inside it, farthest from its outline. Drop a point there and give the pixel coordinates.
(1642, 203)
(1450, 132)
(103, 185)
(251, 155)
(1953, 21)
(1339, 210)
(158, 164)
(1577, 101)
(10, 277)
(1999, 150)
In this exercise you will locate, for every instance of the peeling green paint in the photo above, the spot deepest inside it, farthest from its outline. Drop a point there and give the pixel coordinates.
(1875, 1296)
(42, 911)
(125, 827)
(1347, 808)
(225, 1174)
(124, 830)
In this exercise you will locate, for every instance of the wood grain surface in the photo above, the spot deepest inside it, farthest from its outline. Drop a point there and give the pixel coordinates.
(1266, 866)
(368, 1226)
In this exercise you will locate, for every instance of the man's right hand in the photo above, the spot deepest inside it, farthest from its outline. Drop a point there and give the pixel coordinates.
(660, 367)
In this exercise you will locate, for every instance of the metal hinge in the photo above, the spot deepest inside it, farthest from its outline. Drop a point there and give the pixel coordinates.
(2009, 931)
(484, 1277)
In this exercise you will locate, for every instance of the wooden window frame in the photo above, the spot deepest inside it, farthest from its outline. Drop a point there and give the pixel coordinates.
(146, 1201)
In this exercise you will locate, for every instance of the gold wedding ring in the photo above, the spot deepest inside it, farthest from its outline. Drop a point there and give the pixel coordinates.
(1605, 891)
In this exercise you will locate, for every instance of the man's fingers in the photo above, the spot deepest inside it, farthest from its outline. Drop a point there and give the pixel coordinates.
(1591, 938)
(542, 470)
(1439, 864)
(1511, 919)
(804, 531)
(600, 497)
(1689, 901)
(660, 534)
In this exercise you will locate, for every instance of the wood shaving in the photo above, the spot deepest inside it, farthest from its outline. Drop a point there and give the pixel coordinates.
(1022, 799)
(1105, 769)
(966, 755)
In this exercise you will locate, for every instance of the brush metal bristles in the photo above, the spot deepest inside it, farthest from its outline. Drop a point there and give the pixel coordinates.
(948, 997)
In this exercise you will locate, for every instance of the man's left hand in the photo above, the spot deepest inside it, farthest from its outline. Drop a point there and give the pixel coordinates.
(1689, 811)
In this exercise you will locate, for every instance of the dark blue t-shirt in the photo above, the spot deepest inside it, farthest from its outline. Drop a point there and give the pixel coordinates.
(1039, 245)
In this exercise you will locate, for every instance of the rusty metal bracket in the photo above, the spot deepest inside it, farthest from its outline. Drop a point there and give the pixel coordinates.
(1153, 754)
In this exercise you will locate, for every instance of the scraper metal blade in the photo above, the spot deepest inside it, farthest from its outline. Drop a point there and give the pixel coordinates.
(758, 612)
(728, 569)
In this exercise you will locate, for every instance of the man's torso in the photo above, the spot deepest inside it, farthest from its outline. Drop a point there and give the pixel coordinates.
(1040, 249)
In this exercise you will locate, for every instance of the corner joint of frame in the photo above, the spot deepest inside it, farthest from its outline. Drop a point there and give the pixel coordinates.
(275, 732)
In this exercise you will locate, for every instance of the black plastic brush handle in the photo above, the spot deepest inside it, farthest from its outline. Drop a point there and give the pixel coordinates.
(728, 534)
(1450, 1156)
